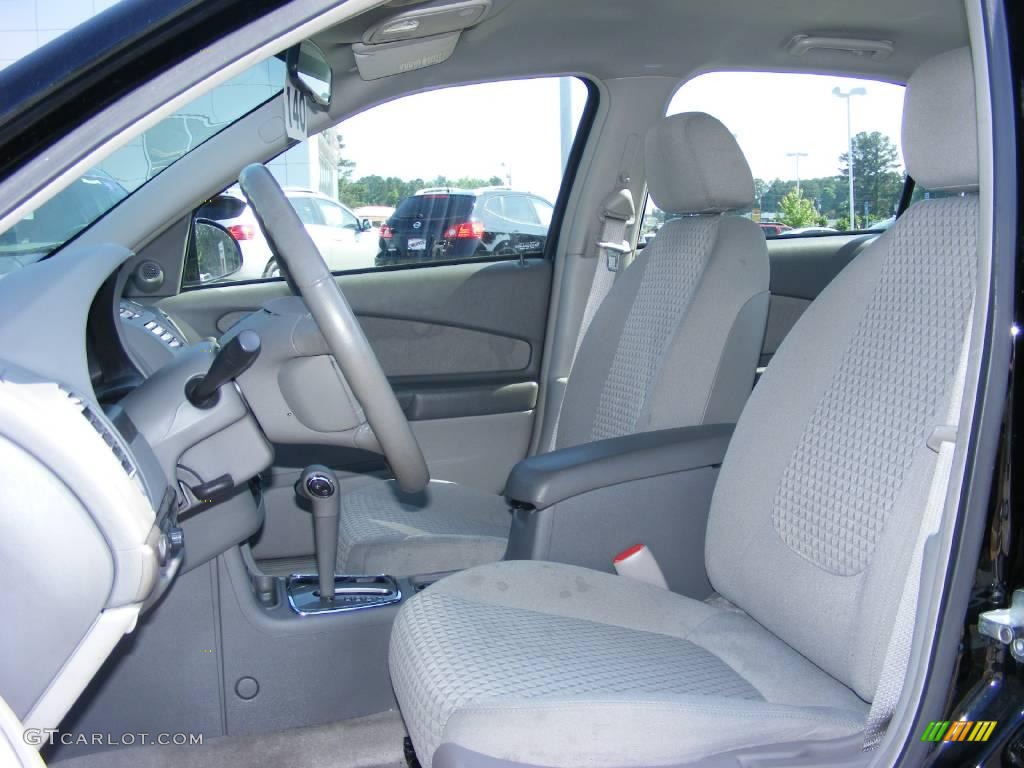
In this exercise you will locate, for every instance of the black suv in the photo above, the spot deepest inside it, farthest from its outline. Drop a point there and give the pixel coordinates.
(442, 223)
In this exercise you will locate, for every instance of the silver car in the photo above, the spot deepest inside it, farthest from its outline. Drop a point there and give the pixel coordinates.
(345, 241)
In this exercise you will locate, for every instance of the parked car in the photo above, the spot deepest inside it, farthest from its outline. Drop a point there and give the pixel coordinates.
(344, 240)
(772, 228)
(444, 223)
(375, 214)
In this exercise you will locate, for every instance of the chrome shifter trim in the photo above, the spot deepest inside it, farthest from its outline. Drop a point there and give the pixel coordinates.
(352, 593)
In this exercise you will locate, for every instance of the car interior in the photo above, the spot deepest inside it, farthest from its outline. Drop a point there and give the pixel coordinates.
(680, 500)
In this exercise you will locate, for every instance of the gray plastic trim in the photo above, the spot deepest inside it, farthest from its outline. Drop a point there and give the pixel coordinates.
(549, 478)
(446, 402)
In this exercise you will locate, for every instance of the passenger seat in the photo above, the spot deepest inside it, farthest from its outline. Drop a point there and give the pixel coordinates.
(674, 343)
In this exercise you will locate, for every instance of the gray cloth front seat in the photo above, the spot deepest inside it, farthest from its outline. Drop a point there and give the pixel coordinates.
(674, 343)
(812, 528)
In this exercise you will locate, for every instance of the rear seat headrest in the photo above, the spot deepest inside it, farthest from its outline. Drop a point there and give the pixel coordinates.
(940, 124)
(694, 165)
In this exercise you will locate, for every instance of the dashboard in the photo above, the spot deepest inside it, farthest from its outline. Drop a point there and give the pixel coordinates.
(95, 510)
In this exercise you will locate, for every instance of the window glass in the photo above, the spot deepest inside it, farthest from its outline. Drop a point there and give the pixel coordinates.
(99, 189)
(307, 210)
(544, 210)
(519, 208)
(796, 132)
(436, 188)
(336, 216)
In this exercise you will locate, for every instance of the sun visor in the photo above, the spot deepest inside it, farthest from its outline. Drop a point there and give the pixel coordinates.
(414, 39)
(386, 59)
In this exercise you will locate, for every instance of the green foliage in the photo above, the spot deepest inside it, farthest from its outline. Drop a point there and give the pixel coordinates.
(378, 190)
(876, 180)
(795, 210)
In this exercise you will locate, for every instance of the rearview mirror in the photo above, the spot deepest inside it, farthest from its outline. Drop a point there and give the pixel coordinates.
(213, 254)
(310, 72)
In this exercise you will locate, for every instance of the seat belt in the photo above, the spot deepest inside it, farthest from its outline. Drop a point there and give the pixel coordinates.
(617, 212)
(897, 654)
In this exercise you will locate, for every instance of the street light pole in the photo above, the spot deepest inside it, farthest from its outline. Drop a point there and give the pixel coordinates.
(796, 156)
(849, 141)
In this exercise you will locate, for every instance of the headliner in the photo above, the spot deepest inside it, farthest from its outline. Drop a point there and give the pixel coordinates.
(677, 38)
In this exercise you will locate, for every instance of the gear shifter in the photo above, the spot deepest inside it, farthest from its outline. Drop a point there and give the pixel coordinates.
(326, 592)
(318, 484)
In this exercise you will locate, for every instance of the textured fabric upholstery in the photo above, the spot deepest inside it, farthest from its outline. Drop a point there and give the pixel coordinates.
(595, 667)
(813, 524)
(669, 280)
(659, 351)
(829, 514)
(674, 343)
(694, 165)
(940, 127)
(383, 530)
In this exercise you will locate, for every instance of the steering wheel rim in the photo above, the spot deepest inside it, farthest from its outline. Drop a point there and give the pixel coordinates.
(308, 276)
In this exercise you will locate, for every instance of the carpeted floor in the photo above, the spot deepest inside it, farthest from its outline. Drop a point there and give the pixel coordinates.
(368, 742)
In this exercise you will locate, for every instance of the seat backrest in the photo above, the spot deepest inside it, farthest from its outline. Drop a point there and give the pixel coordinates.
(822, 492)
(676, 340)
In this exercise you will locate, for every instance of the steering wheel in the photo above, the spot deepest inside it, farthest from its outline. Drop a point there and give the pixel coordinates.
(308, 276)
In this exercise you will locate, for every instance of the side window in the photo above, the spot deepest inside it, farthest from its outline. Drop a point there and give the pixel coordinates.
(336, 216)
(543, 209)
(453, 192)
(519, 210)
(804, 181)
(307, 209)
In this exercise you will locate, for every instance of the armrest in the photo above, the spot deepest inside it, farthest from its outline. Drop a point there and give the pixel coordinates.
(549, 478)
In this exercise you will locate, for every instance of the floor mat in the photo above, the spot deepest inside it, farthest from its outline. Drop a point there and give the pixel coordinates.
(367, 742)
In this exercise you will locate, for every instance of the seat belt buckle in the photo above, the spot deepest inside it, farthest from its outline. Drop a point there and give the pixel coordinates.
(639, 563)
(614, 252)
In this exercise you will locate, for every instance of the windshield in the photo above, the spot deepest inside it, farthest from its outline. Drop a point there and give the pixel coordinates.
(80, 204)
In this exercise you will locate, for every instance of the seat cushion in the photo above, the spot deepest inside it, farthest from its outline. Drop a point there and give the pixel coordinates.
(555, 665)
(447, 527)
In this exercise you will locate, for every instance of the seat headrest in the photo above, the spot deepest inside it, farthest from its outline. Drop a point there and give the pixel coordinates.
(940, 124)
(694, 165)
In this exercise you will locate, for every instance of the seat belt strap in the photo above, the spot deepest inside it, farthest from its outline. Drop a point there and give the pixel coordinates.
(612, 251)
(618, 213)
(897, 654)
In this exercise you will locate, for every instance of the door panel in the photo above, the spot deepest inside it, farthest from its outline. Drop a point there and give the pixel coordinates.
(461, 344)
(801, 267)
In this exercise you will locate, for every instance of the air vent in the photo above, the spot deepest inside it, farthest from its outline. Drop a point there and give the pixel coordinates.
(109, 437)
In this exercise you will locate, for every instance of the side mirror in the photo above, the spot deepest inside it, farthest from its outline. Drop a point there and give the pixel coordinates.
(309, 72)
(213, 254)
(365, 225)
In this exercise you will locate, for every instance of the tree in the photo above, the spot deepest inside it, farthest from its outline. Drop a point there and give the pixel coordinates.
(378, 190)
(796, 210)
(876, 179)
(345, 166)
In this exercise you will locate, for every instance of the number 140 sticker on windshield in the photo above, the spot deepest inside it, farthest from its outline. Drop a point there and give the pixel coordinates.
(295, 112)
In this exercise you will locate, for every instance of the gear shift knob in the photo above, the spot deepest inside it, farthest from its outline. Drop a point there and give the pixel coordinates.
(319, 486)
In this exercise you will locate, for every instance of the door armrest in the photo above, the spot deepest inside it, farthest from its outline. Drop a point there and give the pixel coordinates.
(540, 481)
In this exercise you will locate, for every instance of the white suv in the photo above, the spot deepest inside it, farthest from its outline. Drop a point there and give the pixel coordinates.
(344, 241)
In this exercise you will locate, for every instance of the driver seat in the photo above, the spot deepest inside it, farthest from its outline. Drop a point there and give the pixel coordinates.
(674, 343)
(812, 530)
